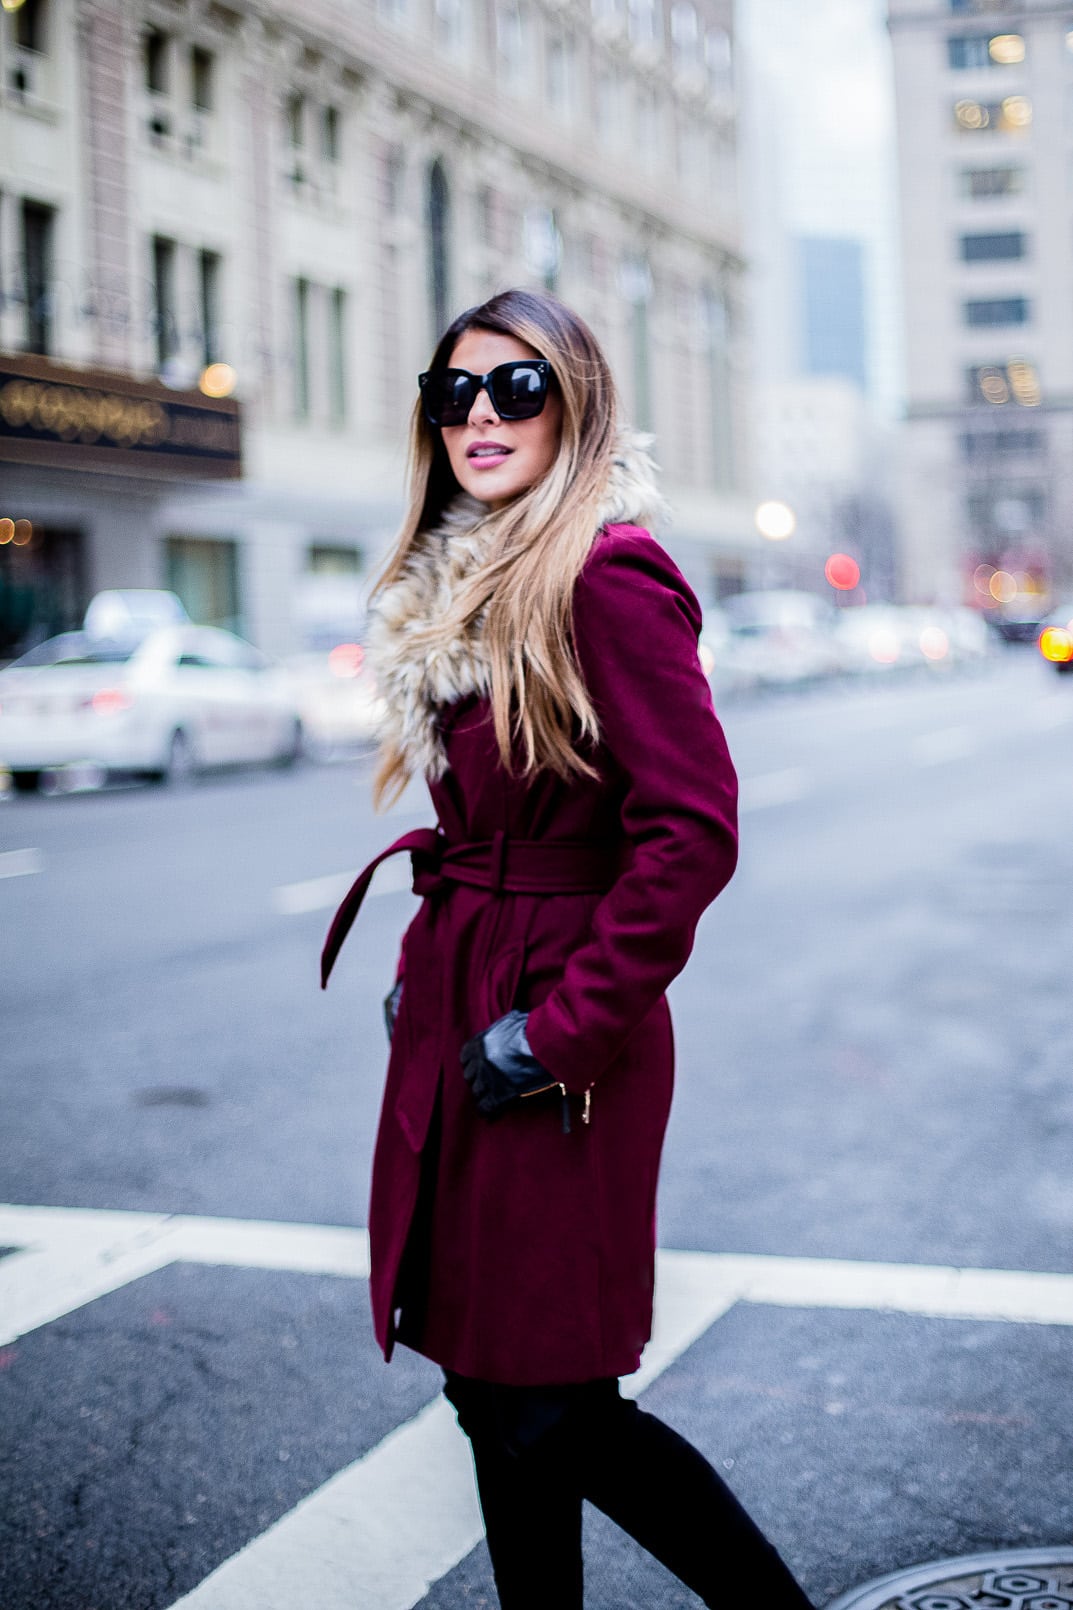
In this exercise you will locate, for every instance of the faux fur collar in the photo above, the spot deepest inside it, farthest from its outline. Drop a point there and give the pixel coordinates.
(417, 683)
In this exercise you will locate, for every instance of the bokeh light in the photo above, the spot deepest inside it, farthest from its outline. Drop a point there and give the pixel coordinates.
(971, 115)
(934, 643)
(1016, 112)
(883, 645)
(7, 531)
(1002, 587)
(775, 520)
(1007, 49)
(1056, 645)
(843, 572)
(23, 534)
(217, 380)
(346, 659)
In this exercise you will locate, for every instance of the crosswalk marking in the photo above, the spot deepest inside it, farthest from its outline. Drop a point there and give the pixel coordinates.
(381, 1532)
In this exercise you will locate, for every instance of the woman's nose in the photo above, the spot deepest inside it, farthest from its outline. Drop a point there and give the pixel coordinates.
(482, 410)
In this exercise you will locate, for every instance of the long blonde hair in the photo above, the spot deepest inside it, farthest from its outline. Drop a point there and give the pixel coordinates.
(538, 545)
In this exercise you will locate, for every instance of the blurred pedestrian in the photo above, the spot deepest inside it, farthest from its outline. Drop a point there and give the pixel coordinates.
(537, 653)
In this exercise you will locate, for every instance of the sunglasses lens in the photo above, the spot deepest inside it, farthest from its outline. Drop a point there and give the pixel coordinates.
(518, 390)
(449, 397)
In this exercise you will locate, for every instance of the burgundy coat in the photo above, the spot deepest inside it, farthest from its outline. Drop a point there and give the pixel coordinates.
(536, 1246)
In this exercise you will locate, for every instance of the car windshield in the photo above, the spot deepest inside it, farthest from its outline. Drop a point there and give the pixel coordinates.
(75, 648)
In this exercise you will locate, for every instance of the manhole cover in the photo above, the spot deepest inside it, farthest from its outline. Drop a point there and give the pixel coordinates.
(1033, 1579)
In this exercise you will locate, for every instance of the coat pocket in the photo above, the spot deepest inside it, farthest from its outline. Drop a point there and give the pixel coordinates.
(501, 987)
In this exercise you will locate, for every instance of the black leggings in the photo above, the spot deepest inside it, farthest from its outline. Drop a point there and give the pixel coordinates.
(539, 1451)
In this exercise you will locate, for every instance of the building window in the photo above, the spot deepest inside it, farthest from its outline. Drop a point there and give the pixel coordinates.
(977, 445)
(294, 119)
(986, 184)
(301, 349)
(166, 313)
(450, 26)
(156, 61)
(1015, 381)
(512, 39)
(1005, 248)
(608, 105)
(644, 21)
(559, 70)
(337, 390)
(31, 26)
(208, 273)
(204, 574)
(438, 222)
(997, 310)
(715, 330)
(37, 251)
(719, 61)
(202, 69)
(1010, 116)
(981, 8)
(329, 133)
(973, 51)
(685, 35)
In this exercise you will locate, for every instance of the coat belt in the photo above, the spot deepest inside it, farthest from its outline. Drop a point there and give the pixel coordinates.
(502, 864)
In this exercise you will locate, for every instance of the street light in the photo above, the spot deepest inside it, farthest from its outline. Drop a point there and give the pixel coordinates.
(776, 521)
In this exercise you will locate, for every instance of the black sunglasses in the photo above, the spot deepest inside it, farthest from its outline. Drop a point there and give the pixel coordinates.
(516, 391)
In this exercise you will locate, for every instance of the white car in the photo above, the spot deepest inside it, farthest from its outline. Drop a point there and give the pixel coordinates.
(336, 694)
(180, 698)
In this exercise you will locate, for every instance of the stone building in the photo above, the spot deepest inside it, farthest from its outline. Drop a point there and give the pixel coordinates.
(984, 89)
(305, 194)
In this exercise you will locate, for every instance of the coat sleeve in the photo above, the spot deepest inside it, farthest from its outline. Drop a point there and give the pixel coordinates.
(636, 624)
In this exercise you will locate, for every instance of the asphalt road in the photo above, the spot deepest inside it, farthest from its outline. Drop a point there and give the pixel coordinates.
(874, 1039)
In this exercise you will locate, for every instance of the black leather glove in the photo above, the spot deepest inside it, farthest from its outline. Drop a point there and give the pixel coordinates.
(500, 1068)
(391, 1010)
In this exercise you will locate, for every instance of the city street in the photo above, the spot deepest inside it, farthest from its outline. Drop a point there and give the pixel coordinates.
(873, 1092)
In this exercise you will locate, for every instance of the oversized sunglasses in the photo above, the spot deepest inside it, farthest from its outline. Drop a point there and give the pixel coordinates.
(516, 391)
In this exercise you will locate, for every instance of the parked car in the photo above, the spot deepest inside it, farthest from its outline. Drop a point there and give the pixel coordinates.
(1055, 641)
(163, 702)
(779, 637)
(336, 695)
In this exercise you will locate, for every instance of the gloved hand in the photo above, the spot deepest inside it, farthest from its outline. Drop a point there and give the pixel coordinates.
(500, 1068)
(392, 1001)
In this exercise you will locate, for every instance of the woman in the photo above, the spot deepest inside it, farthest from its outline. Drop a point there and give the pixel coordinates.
(537, 652)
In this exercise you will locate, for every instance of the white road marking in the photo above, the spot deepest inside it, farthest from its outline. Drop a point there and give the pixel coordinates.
(948, 743)
(71, 1256)
(772, 788)
(322, 894)
(381, 1532)
(20, 863)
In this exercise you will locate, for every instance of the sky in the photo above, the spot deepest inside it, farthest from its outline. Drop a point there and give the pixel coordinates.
(819, 108)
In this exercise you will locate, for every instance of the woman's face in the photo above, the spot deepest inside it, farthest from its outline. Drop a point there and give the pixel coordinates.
(527, 448)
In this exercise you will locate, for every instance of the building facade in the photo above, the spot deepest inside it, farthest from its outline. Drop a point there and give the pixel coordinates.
(984, 94)
(287, 202)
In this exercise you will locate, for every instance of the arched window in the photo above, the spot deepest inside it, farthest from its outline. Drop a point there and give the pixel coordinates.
(439, 230)
(685, 35)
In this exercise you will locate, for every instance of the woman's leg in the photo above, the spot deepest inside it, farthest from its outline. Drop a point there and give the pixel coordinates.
(529, 1499)
(663, 1492)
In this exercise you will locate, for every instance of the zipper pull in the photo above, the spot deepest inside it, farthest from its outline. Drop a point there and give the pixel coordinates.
(566, 1111)
(586, 1111)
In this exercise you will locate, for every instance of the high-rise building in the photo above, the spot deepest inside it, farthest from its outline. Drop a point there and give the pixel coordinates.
(287, 202)
(984, 89)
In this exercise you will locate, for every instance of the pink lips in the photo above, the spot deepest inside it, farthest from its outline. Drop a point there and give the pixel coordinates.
(487, 455)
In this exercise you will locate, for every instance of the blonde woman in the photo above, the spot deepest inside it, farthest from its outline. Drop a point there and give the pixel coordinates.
(537, 652)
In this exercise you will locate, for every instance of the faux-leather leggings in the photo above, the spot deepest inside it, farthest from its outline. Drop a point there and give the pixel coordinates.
(540, 1451)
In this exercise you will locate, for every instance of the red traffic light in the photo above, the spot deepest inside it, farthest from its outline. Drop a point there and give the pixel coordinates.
(842, 572)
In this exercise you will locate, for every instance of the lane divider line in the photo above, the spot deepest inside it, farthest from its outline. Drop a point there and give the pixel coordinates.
(322, 894)
(20, 863)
